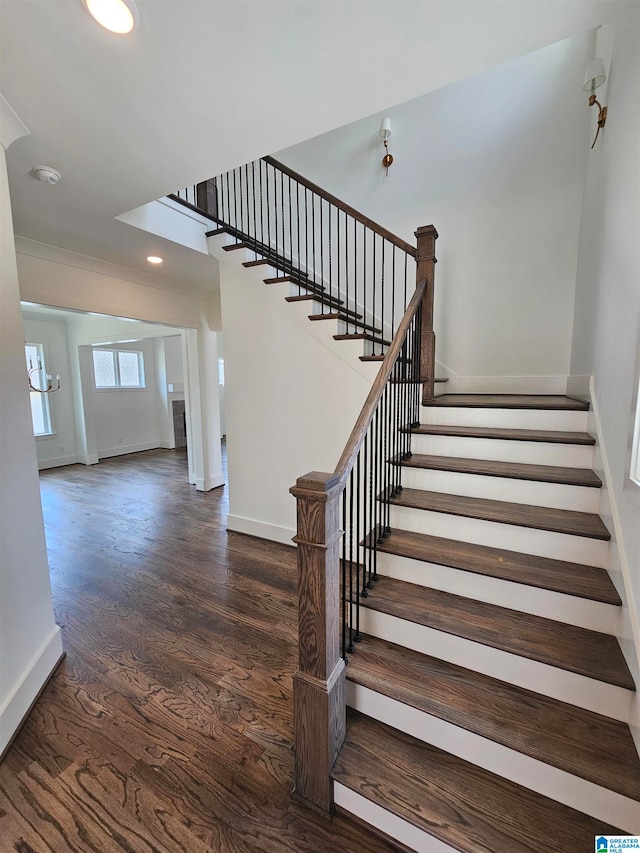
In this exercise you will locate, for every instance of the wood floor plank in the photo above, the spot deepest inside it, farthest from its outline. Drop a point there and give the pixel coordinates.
(504, 512)
(512, 470)
(542, 572)
(181, 641)
(538, 435)
(509, 401)
(580, 742)
(567, 647)
(455, 801)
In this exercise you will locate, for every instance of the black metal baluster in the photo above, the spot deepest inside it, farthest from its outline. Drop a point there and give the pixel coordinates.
(284, 253)
(376, 494)
(313, 245)
(355, 267)
(254, 197)
(351, 502)
(322, 252)
(374, 312)
(366, 516)
(290, 230)
(356, 636)
(330, 242)
(364, 273)
(344, 576)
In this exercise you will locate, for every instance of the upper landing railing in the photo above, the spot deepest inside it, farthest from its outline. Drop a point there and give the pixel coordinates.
(360, 272)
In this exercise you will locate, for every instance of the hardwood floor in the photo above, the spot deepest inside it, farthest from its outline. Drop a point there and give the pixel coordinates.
(168, 726)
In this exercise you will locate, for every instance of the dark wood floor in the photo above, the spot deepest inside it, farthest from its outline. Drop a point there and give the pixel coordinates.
(168, 727)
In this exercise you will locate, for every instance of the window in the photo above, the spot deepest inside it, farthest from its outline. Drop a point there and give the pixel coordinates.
(118, 368)
(40, 412)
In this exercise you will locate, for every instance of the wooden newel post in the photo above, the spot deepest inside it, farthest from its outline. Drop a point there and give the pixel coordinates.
(319, 701)
(425, 268)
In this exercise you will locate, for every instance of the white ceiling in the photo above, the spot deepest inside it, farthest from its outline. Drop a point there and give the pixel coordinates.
(204, 85)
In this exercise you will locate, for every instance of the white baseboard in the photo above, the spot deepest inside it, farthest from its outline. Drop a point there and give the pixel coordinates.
(122, 450)
(167, 445)
(23, 695)
(630, 645)
(205, 484)
(507, 385)
(57, 462)
(262, 529)
(579, 386)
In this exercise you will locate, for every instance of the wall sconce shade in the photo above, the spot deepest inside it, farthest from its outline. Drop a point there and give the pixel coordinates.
(595, 76)
(385, 128)
(593, 79)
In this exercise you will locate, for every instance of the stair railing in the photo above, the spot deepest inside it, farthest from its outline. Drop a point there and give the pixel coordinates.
(343, 518)
(358, 271)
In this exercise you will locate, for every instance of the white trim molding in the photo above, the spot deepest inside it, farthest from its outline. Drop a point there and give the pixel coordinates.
(18, 704)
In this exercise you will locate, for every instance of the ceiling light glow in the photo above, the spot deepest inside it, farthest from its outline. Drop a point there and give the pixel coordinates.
(118, 16)
(154, 259)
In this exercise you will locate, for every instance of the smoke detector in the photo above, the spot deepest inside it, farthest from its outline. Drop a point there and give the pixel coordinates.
(47, 174)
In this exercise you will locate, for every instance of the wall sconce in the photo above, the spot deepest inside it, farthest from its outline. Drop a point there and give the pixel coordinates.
(593, 79)
(44, 380)
(385, 133)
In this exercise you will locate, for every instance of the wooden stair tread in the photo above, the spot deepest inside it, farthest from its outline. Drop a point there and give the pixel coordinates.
(551, 436)
(233, 246)
(511, 401)
(578, 741)
(543, 572)
(464, 806)
(538, 517)
(515, 470)
(345, 318)
(326, 301)
(557, 644)
(362, 336)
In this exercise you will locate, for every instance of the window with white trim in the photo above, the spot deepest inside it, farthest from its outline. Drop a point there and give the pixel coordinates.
(40, 410)
(117, 368)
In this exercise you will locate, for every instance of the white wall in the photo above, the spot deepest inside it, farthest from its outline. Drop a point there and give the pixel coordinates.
(60, 448)
(290, 407)
(496, 162)
(607, 311)
(126, 419)
(30, 643)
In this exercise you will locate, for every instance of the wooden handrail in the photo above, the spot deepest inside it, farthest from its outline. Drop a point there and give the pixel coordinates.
(359, 431)
(332, 199)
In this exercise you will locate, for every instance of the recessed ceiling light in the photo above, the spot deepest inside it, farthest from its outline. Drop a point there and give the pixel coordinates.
(118, 16)
(154, 259)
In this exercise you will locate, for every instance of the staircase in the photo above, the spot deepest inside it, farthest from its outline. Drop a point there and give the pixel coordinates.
(453, 590)
(488, 696)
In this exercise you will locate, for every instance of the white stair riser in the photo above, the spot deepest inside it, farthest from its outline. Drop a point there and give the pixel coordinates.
(526, 540)
(533, 492)
(606, 699)
(531, 773)
(571, 609)
(392, 825)
(506, 418)
(503, 450)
